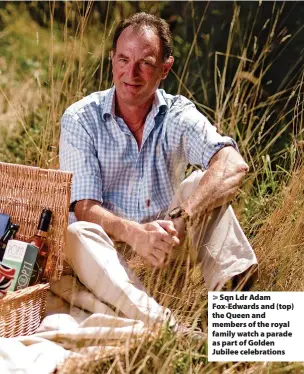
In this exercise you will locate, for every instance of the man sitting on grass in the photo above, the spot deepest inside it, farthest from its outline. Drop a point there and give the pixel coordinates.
(128, 148)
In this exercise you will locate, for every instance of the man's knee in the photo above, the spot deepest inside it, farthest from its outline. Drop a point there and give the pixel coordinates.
(79, 227)
(87, 229)
(194, 177)
(189, 184)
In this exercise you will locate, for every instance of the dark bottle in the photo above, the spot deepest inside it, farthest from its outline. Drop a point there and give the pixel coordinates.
(40, 241)
(9, 234)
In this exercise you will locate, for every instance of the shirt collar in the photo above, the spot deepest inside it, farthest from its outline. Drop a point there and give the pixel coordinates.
(159, 105)
(109, 104)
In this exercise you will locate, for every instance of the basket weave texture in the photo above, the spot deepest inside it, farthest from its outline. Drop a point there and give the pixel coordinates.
(24, 192)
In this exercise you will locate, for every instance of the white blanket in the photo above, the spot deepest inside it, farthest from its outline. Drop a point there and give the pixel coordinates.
(67, 331)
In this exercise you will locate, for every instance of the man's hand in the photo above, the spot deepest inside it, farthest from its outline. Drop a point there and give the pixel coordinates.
(154, 241)
(180, 227)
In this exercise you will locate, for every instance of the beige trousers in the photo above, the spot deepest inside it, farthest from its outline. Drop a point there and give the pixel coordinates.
(222, 249)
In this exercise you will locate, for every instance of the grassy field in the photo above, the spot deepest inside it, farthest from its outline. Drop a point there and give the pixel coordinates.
(46, 67)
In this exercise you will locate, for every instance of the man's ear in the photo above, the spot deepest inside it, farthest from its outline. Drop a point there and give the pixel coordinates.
(111, 54)
(167, 66)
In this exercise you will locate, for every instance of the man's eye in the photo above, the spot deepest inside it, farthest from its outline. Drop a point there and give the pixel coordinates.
(123, 60)
(147, 64)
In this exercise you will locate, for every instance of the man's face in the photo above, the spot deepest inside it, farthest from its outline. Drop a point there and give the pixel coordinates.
(137, 66)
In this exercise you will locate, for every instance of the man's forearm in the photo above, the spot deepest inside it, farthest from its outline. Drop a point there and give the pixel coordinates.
(116, 227)
(219, 184)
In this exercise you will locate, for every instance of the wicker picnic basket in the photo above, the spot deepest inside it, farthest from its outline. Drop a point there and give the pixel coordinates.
(24, 192)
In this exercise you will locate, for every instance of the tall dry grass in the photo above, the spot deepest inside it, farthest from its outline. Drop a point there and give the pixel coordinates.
(269, 203)
(280, 242)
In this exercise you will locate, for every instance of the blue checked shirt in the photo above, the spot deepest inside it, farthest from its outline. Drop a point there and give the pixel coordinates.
(100, 150)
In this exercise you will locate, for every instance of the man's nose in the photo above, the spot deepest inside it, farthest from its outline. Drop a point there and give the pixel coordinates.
(133, 70)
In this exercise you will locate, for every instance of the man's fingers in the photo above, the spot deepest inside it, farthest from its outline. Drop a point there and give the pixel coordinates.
(168, 238)
(166, 246)
(159, 262)
(168, 226)
(163, 246)
(155, 261)
(159, 254)
(152, 260)
(171, 240)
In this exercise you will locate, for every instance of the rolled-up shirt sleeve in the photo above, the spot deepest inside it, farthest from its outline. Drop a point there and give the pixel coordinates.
(201, 138)
(78, 155)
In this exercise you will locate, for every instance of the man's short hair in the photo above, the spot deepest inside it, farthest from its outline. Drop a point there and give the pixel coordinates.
(143, 20)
